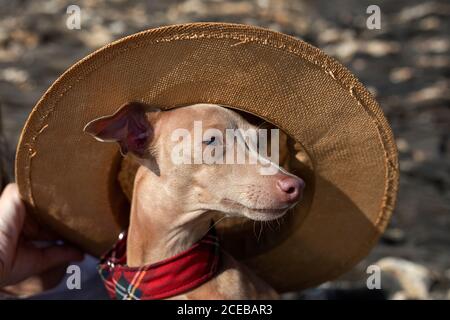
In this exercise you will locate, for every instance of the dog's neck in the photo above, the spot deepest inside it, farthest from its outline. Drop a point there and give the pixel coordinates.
(159, 227)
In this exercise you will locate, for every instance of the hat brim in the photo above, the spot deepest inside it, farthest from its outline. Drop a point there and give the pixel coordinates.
(70, 181)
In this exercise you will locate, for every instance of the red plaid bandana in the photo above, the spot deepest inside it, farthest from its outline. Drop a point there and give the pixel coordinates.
(163, 279)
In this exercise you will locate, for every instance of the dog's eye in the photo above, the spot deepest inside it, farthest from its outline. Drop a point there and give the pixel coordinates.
(210, 141)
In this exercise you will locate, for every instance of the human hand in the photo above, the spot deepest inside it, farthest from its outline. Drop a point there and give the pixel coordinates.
(19, 257)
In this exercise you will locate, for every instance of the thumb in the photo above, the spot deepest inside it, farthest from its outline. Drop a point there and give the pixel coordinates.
(12, 216)
(31, 261)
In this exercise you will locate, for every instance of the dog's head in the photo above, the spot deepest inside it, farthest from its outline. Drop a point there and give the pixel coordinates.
(204, 157)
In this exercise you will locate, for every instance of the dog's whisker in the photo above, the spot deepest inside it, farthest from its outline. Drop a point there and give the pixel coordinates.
(260, 232)
(279, 224)
(261, 124)
(215, 223)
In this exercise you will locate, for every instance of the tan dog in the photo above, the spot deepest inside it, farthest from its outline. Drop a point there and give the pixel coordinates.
(173, 204)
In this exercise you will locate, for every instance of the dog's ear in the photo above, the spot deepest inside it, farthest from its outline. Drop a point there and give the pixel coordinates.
(130, 127)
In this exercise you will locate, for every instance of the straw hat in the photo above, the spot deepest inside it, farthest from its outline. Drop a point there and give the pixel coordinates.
(342, 145)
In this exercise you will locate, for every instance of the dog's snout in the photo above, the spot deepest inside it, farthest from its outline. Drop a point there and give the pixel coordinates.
(291, 188)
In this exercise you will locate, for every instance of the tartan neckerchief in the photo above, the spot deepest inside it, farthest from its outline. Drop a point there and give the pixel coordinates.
(164, 279)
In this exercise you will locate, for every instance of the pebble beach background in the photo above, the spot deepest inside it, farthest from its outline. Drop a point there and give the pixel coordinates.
(405, 64)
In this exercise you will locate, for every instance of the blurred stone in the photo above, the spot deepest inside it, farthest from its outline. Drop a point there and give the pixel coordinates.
(401, 74)
(407, 165)
(329, 35)
(359, 64)
(394, 236)
(48, 6)
(378, 48)
(28, 39)
(433, 61)
(343, 50)
(373, 90)
(402, 145)
(438, 90)
(404, 280)
(419, 155)
(220, 8)
(349, 47)
(14, 75)
(263, 3)
(434, 45)
(97, 37)
(117, 27)
(414, 12)
(430, 23)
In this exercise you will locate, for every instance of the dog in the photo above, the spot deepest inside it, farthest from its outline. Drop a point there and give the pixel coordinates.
(173, 204)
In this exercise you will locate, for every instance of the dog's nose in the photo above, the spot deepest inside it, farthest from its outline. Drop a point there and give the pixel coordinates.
(291, 187)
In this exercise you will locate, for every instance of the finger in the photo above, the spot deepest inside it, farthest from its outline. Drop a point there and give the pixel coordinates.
(12, 216)
(31, 229)
(31, 261)
(51, 257)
